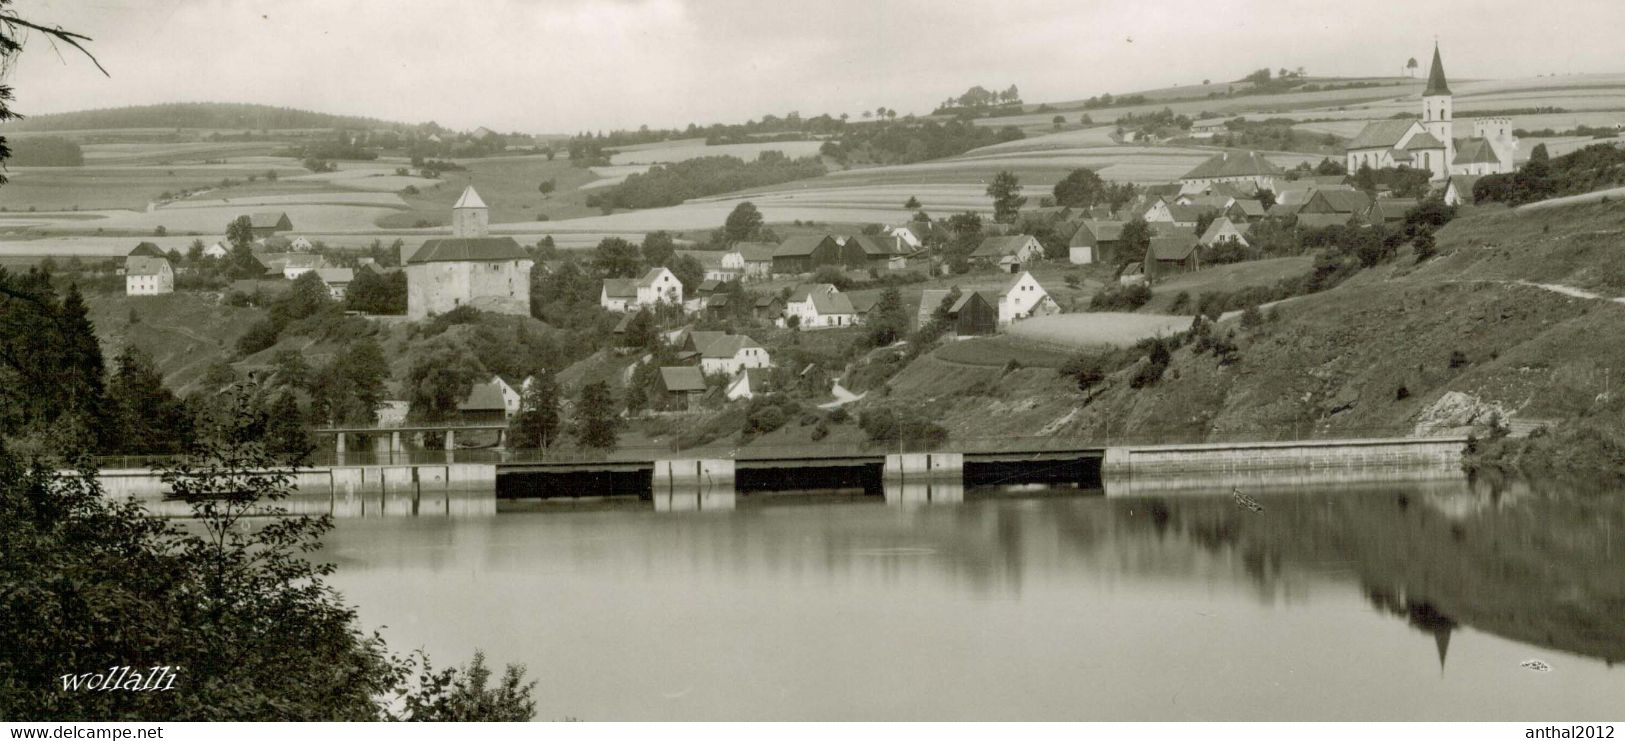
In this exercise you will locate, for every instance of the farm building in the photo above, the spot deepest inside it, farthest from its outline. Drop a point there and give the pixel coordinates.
(879, 252)
(819, 306)
(1222, 230)
(267, 223)
(513, 390)
(290, 265)
(1389, 210)
(337, 281)
(680, 386)
(1345, 202)
(799, 255)
(1008, 254)
(1205, 201)
(768, 308)
(1095, 241)
(1430, 143)
(1170, 254)
(1246, 211)
(1458, 189)
(1023, 297)
(748, 383)
(217, 251)
(470, 268)
(658, 286)
(749, 260)
(930, 300)
(301, 244)
(732, 353)
(907, 239)
(974, 314)
(1232, 167)
(148, 276)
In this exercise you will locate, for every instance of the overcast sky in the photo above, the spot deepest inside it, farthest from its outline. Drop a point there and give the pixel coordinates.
(559, 66)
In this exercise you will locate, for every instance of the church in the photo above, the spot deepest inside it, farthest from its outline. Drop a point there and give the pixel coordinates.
(471, 268)
(1430, 143)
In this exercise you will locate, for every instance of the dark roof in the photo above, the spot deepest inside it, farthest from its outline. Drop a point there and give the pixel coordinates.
(1379, 134)
(268, 219)
(966, 298)
(799, 246)
(709, 285)
(469, 249)
(1164, 189)
(1319, 221)
(1391, 209)
(148, 249)
(755, 251)
(483, 397)
(1100, 231)
(1188, 213)
(1174, 248)
(1000, 246)
(144, 265)
(1249, 207)
(1424, 140)
(1233, 164)
(763, 302)
(1342, 201)
(1475, 151)
(682, 378)
(874, 246)
(1436, 83)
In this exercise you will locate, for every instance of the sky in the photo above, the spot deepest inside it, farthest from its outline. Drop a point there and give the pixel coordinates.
(563, 66)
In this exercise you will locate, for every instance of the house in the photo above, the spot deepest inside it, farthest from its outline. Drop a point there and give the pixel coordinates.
(1185, 216)
(907, 239)
(974, 314)
(1095, 241)
(1222, 230)
(266, 223)
(930, 300)
(1458, 189)
(658, 286)
(1430, 143)
(732, 353)
(1023, 297)
(1206, 201)
(708, 286)
(483, 405)
(876, 252)
(292, 265)
(146, 249)
(798, 255)
(1009, 254)
(217, 251)
(749, 260)
(1133, 274)
(300, 244)
(470, 268)
(513, 392)
(747, 383)
(717, 304)
(337, 281)
(1328, 207)
(1389, 210)
(680, 386)
(819, 306)
(711, 265)
(1232, 167)
(1246, 211)
(768, 308)
(148, 276)
(1208, 128)
(1171, 253)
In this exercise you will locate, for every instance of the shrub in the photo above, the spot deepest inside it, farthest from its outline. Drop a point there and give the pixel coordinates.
(1252, 317)
(1121, 298)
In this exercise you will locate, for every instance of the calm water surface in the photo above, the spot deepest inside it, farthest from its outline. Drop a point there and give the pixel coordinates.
(1383, 603)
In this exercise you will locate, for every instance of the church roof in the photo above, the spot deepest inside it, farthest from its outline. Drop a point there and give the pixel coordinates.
(1424, 140)
(1381, 134)
(468, 249)
(1436, 83)
(1233, 164)
(1475, 151)
(470, 199)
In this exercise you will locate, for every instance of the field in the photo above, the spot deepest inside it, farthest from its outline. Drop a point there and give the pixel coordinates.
(687, 149)
(1226, 278)
(1094, 329)
(996, 352)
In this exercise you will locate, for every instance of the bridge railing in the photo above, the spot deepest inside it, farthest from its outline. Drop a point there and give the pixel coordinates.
(1035, 444)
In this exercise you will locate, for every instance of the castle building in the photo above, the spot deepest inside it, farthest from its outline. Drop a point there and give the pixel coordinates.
(1430, 143)
(471, 268)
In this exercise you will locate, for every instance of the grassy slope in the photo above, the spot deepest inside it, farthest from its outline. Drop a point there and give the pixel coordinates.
(183, 332)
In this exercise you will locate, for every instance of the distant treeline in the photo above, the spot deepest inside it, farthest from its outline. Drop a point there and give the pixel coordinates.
(669, 185)
(45, 151)
(903, 143)
(196, 116)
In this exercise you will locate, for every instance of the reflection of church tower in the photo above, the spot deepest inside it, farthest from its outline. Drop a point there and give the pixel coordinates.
(1436, 110)
(469, 216)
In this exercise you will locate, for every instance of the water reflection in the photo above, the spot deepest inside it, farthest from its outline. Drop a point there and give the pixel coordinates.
(1332, 605)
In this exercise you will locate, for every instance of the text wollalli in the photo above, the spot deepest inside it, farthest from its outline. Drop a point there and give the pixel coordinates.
(124, 678)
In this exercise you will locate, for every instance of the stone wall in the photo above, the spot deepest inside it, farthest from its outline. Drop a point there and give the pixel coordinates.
(345, 491)
(439, 287)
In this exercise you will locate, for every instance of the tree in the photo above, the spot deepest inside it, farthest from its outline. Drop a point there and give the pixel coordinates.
(616, 258)
(1058, 121)
(1534, 181)
(1005, 190)
(349, 388)
(912, 202)
(240, 232)
(1424, 245)
(1081, 188)
(439, 378)
(658, 249)
(1134, 240)
(151, 419)
(597, 424)
(743, 223)
(888, 319)
(641, 331)
(538, 422)
(1410, 67)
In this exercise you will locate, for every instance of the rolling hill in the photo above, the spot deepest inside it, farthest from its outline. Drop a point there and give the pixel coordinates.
(195, 116)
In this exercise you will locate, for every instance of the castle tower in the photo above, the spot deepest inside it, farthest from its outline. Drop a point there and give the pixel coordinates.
(1436, 109)
(470, 218)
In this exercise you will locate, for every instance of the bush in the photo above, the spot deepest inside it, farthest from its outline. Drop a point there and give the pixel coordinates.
(1086, 369)
(1252, 317)
(1121, 298)
(260, 335)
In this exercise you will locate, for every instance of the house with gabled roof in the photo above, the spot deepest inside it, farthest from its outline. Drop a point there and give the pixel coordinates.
(730, 353)
(483, 404)
(1247, 211)
(1232, 167)
(1457, 189)
(819, 306)
(747, 383)
(1008, 254)
(1171, 253)
(879, 252)
(266, 223)
(337, 281)
(217, 251)
(680, 386)
(1222, 230)
(657, 286)
(748, 260)
(806, 254)
(469, 268)
(1389, 211)
(975, 314)
(1024, 297)
(148, 276)
(1095, 241)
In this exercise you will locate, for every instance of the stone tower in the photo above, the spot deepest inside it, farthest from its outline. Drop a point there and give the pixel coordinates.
(470, 218)
(1436, 109)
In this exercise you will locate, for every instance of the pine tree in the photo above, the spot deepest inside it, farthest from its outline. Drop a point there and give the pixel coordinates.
(537, 424)
(597, 425)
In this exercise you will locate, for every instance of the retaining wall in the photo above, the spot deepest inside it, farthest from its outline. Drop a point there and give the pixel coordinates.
(344, 491)
(1134, 470)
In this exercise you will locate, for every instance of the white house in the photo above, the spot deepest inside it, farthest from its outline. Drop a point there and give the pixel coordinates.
(658, 286)
(148, 276)
(300, 244)
(906, 238)
(1023, 297)
(731, 353)
(747, 384)
(337, 281)
(748, 261)
(820, 306)
(512, 393)
(1222, 230)
(1232, 167)
(1010, 253)
(217, 251)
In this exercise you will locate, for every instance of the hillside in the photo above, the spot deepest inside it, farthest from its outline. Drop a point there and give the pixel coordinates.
(239, 116)
(1394, 347)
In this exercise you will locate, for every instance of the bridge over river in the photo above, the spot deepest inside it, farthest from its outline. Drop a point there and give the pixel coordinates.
(371, 471)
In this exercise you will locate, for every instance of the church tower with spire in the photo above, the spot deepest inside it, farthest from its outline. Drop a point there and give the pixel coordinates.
(470, 218)
(1437, 113)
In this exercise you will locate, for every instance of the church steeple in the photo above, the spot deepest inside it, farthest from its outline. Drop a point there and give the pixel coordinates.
(1436, 82)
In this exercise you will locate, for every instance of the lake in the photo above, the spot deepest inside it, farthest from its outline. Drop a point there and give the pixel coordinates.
(1380, 602)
